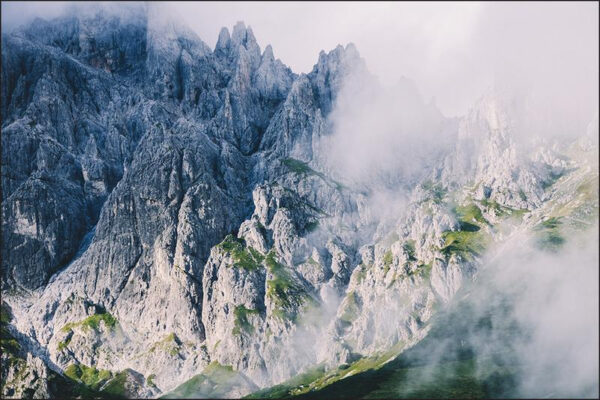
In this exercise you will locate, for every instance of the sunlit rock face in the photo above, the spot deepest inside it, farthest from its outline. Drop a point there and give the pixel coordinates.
(169, 211)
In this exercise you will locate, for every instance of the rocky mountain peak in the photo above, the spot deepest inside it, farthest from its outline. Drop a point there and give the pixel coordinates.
(267, 55)
(224, 40)
(332, 69)
(242, 35)
(166, 217)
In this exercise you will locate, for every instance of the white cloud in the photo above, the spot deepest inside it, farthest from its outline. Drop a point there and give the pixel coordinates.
(451, 50)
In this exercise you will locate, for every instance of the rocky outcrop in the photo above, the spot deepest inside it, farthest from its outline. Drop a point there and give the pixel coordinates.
(169, 212)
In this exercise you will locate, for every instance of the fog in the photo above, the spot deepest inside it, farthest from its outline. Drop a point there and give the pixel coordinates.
(532, 312)
(452, 51)
(558, 306)
(432, 62)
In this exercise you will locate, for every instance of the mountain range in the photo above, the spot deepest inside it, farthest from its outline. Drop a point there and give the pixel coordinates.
(182, 221)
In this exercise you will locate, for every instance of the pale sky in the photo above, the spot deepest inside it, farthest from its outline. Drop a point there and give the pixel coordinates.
(453, 51)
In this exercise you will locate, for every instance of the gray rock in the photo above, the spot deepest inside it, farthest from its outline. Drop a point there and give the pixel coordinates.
(180, 201)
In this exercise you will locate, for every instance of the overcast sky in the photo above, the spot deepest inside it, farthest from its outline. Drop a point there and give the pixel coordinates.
(453, 51)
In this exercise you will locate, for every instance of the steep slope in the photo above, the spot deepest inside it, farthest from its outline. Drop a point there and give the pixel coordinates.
(172, 222)
(476, 345)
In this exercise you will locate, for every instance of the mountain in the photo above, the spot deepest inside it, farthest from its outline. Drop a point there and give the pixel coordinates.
(186, 221)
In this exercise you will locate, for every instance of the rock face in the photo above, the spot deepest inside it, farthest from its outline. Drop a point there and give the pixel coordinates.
(168, 211)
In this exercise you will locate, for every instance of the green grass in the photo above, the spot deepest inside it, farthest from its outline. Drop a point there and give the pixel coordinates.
(464, 243)
(468, 240)
(470, 214)
(5, 314)
(92, 377)
(442, 365)
(300, 167)
(8, 344)
(312, 261)
(436, 191)
(98, 381)
(59, 386)
(548, 235)
(283, 290)
(318, 378)
(388, 259)
(150, 380)
(409, 247)
(241, 323)
(243, 257)
(423, 270)
(214, 382)
(63, 345)
(93, 322)
(169, 344)
(116, 386)
(291, 386)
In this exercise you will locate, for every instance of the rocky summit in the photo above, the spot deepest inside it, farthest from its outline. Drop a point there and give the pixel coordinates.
(176, 220)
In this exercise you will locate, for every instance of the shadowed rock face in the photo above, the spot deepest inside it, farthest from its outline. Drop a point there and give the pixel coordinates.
(79, 93)
(169, 210)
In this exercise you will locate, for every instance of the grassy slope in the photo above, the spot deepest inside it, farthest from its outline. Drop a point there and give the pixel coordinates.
(215, 381)
(417, 373)
(59, 386)
(443, 365)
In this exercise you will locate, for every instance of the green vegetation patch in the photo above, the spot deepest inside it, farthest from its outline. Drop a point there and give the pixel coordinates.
(312, 261)
(58, 385)
(93, 322)
(116, 386)
(150, 380)
(361, 273)
(423, 270)
(169, 344)
(318, 378)
(5, 314)
(409, 248)
(588, 189)
(522, 195)
(464, 243)
(442, 365)
(351, 308)
(300, 167)
(63, 345)
(311, 226)
(502, 211)
(469, 214)
(97, 382)
(283, 290)
(292, 386)
(91, 377)
(215, 381)
(243, 257)
(8, 344)
(548, 234)
(241, 323)
(436, 191)
(388, 259)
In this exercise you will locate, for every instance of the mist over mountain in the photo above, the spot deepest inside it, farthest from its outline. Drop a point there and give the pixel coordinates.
(187, 221)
